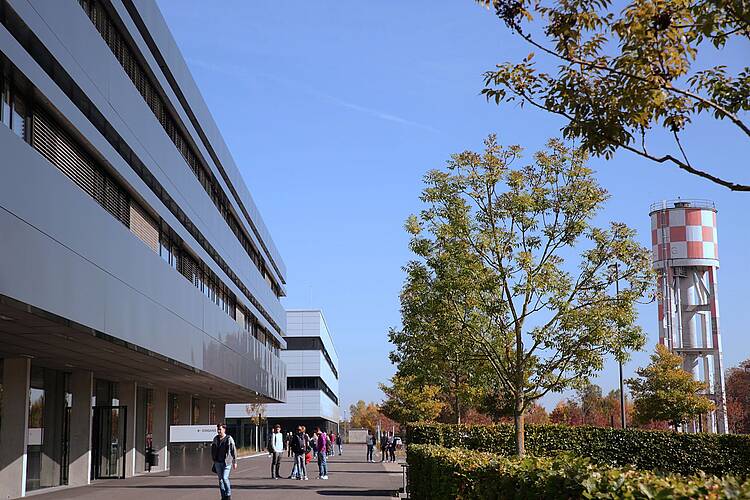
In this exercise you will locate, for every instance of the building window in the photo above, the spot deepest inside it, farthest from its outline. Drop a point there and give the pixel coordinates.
(13, 111)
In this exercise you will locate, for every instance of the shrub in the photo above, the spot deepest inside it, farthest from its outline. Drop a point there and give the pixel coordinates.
(644, 449)
(437, 473)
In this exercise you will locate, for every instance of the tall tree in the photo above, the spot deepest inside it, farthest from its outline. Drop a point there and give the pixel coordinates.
(738, 398)
(513, 257)
(620, 74)
(664, 391)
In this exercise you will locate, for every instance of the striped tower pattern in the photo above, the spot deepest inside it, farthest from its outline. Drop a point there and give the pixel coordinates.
(686, 258)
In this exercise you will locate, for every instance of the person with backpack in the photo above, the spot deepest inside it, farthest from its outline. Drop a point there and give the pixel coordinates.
(339, 442)
(276, 448)
(224, 455)
(322, 447)
(300, 444)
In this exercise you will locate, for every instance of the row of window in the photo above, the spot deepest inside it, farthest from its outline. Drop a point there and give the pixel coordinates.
(311, 344)
(65, 154)
(104, 24)
(310, 384)
(59, 75)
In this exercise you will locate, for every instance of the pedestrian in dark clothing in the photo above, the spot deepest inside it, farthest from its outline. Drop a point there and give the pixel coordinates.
(383, 446)
(392, 448)
(371, 441)
(300, 447)
(224, 455)
(339, 442)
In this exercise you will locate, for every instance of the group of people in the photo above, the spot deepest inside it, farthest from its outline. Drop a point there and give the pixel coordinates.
(388, 445)
(305, 448)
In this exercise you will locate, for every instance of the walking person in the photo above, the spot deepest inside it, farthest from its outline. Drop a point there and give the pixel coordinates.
(224, 455)
(322, 447)
(299, 447)
(276, 448)
(371, 441)
(392, 448)
(339, 443)
(383, 446)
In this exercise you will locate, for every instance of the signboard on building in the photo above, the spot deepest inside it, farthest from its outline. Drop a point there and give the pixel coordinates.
(191, 433)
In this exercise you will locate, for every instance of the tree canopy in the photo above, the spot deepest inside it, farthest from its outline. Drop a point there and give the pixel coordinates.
(407, 401)
(621, 75)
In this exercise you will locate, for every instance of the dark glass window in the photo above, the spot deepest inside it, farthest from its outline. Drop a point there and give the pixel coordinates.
(310, 384)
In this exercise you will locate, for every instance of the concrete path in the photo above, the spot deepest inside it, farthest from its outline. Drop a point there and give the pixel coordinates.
(349, 477)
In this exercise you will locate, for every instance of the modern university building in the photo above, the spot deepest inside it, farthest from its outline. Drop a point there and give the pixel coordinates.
(312, 397)
(139, 286)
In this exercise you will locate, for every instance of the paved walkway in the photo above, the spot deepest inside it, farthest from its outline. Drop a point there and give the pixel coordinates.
(350, 477)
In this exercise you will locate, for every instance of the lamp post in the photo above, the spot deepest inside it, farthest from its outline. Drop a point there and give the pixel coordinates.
(619, 359)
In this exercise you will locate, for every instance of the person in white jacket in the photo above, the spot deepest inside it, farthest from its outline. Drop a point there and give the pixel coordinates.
(276, 449)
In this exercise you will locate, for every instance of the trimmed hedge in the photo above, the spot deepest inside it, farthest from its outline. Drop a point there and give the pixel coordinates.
(437, 473)
(648, 450)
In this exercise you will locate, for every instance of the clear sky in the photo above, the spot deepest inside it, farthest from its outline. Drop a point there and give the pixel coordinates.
(334, 111)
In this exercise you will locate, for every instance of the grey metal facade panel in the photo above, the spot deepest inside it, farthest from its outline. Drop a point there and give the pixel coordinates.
(235, 177)
(19, 57)
(157, 27)
(64, 254)
(93, 57)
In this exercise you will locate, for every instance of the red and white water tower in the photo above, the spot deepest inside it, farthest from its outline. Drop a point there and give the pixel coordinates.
(686, 258)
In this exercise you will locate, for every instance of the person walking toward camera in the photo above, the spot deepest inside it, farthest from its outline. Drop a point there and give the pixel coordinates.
(224, 455)
(383, 446)
(339, 442)
(276, 448)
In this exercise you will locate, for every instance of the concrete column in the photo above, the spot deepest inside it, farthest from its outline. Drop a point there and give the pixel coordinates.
(202, 411)
(160, 428)
(82, 388)
(54, 406)
(128, 397)
(14, 424)
(184, 403)
(220, 411)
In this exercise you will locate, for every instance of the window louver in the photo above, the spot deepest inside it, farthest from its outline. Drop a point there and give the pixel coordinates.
(143, 226)
(61, 151)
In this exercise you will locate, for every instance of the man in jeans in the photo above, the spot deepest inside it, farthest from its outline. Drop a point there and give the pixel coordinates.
(299, 448)
(276, 448)
(224, 455)
(322, 447)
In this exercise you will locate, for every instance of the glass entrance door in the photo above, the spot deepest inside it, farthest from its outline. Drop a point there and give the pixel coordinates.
(108, 442)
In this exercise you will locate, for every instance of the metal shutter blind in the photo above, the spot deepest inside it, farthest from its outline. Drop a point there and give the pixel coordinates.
(48, 139)
(63, 153)
(143, 226)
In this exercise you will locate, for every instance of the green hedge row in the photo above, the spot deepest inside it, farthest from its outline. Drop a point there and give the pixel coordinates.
(437, 473)
(648, 450)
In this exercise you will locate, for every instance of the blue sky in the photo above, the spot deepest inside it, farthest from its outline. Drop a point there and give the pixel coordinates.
(335, 110)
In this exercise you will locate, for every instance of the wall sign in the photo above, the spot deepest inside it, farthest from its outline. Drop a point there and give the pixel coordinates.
(192, 433)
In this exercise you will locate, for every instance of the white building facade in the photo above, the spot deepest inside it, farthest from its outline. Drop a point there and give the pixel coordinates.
(312, 396)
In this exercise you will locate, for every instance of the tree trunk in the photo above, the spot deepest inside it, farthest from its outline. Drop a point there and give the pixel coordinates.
(518, 420)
